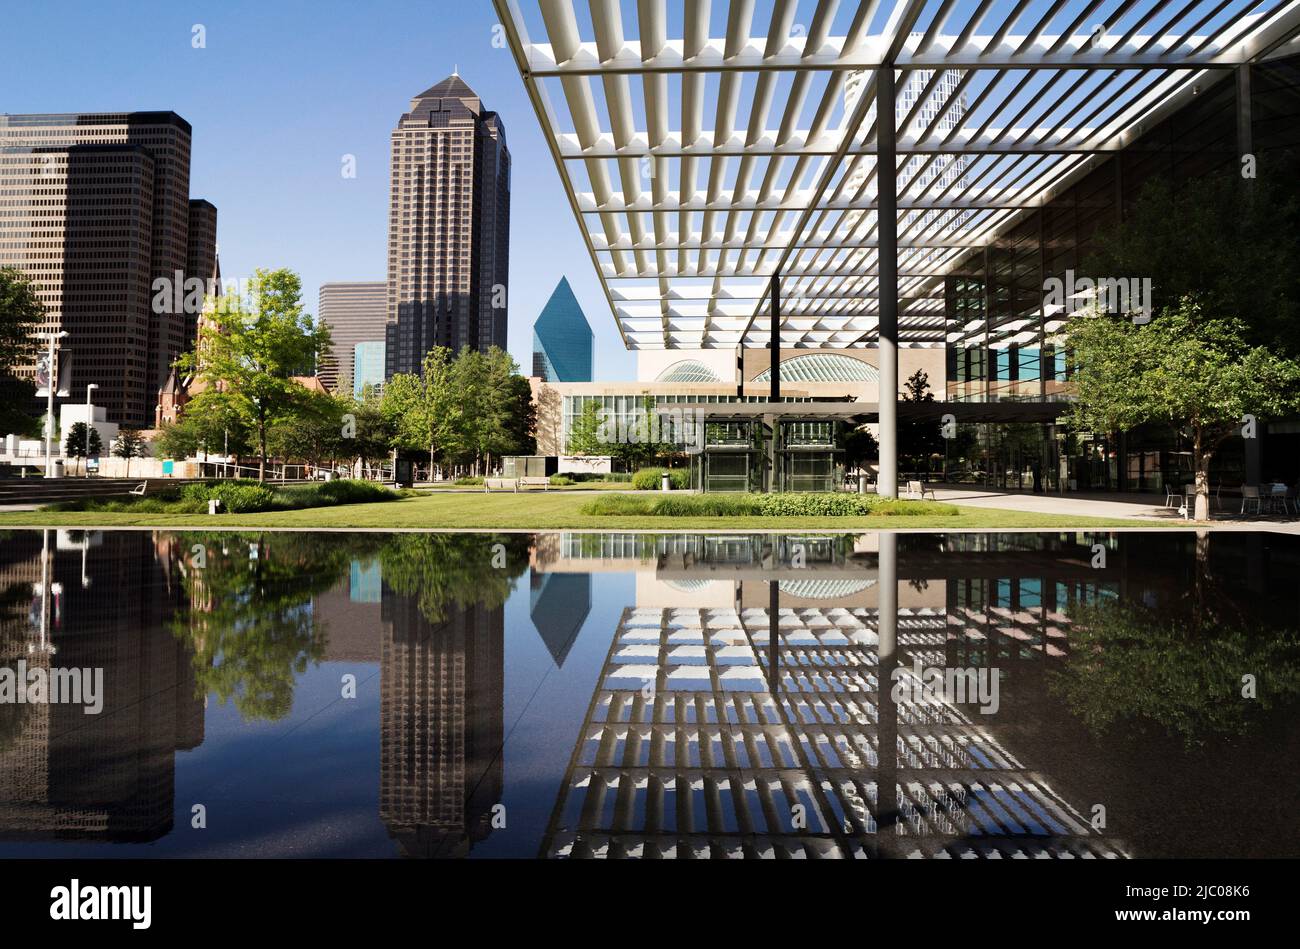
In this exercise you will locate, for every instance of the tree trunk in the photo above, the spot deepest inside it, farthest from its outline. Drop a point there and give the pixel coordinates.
(261, 458)
(1202, 512)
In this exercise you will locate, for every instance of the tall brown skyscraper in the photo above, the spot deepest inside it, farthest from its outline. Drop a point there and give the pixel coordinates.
(449, 227)
(97, 208)
(355, 312)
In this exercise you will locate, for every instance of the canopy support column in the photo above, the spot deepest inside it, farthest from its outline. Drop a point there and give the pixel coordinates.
(887, 233)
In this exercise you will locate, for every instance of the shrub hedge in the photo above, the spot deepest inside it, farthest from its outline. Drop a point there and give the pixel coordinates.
(761, 505)
(241, 497)
(648, 479)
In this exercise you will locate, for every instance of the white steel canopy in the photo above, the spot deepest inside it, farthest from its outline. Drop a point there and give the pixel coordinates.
(707, 145)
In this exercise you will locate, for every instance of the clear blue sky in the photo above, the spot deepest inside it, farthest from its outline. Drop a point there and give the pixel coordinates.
(282, 91)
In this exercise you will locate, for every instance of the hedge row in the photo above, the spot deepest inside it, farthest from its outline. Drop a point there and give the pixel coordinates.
(761, 505)
(650, 479)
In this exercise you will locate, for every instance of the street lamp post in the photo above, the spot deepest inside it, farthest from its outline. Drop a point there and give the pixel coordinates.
(90, 421)
(53, 382)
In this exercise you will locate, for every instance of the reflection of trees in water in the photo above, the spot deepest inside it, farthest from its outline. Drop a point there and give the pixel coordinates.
(248, 613)
(449, 571)
(248, 616)
(1130, 666)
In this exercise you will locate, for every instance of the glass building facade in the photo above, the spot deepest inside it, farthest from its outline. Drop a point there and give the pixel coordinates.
(563, 344)
(1002, 337)
(368, 365)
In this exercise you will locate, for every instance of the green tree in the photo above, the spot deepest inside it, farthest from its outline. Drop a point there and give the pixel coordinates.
(372, 432)
(421, 408)
(252, 350)
(919, 441)
(585, 432)
(1229, 242)
(21, 313)
(315, 433)
(74, 446)
(1191, 371)
(634, 442)
(493, 409)
(860, 446)
(210, 425)
(129, 444)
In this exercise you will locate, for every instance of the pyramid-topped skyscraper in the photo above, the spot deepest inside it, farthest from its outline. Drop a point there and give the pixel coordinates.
(448, 227)
(562, 339)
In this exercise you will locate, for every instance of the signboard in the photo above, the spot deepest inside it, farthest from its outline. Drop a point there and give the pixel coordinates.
(168, 466)
(64, 363)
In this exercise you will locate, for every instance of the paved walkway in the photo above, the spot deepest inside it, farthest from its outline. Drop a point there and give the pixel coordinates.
(1142, 506)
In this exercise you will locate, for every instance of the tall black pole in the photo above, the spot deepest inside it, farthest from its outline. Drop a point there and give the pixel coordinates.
(776, 336)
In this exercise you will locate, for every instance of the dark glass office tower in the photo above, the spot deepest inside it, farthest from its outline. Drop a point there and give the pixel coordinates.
(562, 339)
(99, 209)
(449, 227)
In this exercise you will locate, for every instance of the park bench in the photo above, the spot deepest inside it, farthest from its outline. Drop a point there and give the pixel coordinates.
(140, 489)
(918, 489)
(543, 483)
(500, 484)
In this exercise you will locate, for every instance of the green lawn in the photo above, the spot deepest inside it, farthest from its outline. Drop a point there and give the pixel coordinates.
(541, 511)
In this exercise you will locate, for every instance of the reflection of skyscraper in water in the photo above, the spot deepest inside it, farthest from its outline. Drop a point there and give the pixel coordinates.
(558, 603)
(921, 174)
(440, 724)
(109, 776)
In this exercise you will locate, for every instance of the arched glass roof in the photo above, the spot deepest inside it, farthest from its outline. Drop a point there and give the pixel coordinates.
(823, 367)
(688, 370)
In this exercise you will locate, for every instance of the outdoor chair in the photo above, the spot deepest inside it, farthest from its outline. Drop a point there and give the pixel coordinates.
(1279, 498)
(1175, 492)
(1250, 495)
(918, 489)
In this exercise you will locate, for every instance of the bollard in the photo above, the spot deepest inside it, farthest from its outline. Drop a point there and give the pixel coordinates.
(862, 482)
(665, 482)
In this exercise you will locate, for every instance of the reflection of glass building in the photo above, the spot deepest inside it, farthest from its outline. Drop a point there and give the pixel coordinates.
(440, 725)
(563, 344)
(558, 604)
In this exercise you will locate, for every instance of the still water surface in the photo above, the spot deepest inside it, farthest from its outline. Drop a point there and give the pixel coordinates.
(556, 695)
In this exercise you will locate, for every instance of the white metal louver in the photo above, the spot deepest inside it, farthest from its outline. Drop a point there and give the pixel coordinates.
(706, 144)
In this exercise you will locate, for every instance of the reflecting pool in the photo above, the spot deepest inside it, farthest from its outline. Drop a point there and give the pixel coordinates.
(280, 694)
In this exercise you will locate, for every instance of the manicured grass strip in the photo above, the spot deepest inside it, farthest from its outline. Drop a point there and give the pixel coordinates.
(555, 510)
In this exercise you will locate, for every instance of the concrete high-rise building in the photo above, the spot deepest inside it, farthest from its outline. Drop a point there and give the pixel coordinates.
(98, 208)
(355, 312)
(449, 227)
(563, 343)
(202, 261)
(944, 107)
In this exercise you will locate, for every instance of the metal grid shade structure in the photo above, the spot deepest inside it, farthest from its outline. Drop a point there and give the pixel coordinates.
(708, 146)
